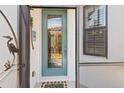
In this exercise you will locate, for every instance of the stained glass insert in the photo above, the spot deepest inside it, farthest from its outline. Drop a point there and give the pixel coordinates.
(54, 41)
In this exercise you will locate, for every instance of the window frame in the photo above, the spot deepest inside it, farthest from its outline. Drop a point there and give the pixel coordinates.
(96, 28)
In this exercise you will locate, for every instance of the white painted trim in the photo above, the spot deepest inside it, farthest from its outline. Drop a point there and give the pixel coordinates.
(34, 53)
(40, 51)
(71, 44)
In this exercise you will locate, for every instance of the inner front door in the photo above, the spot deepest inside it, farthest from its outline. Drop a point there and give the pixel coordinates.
(54, 42)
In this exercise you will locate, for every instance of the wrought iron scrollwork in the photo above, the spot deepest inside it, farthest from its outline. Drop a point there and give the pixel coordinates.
(12, 48)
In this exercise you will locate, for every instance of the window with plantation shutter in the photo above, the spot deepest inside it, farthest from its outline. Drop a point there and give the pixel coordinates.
(95, 30)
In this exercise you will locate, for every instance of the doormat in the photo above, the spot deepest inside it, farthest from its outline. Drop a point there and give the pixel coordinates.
(54, 84)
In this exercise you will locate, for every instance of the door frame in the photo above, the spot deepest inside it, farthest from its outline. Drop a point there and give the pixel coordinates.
(24, 46)
(76, 39)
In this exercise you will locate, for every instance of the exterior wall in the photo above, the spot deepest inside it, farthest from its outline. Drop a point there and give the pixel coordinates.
(11, 79)
(102, 76)
(35, 53)
(106, 76)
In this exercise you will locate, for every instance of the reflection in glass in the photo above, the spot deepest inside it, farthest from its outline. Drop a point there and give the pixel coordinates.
(54, 41)
(95, 16)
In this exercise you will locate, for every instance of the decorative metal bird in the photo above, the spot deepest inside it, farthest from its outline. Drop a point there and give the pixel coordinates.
(11, 47)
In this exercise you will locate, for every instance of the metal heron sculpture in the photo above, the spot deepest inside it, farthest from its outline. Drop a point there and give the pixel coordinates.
(11, 46)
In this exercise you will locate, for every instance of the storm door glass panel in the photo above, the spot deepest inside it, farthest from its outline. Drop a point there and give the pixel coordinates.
(54, 41)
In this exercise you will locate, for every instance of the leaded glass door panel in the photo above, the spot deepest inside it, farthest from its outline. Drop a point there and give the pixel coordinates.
(54, 42)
